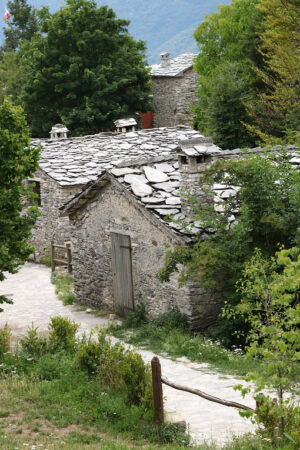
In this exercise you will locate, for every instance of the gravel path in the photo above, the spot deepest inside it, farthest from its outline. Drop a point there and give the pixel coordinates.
(35, 302)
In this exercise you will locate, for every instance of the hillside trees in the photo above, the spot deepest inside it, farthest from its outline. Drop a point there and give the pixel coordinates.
(18, 162)
(85, 70)
(276, 111)
(228, 41)
(249, 68)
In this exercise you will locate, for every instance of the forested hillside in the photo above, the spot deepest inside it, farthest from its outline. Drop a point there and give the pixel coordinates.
(164, 25)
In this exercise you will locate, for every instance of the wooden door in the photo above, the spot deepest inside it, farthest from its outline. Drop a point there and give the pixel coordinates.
(122, 272)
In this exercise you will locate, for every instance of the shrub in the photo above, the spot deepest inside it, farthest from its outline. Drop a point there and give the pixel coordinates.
(5, 335)
(32, 344)
(62, 334)
(135, 318)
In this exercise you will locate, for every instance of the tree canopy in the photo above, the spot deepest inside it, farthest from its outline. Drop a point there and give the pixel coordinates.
(22, 25)
(84, 70)
(249, 68)
(18, 162)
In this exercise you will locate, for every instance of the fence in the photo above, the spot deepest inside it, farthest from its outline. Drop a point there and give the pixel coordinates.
(157, 381)
(58, 262)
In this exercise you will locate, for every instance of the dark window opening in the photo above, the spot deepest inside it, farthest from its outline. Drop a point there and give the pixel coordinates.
(200, 159)
(183, 160)
(36, 189)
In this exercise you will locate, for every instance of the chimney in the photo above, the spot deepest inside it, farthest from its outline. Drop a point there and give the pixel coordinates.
(165, 59)
(58, 131)
(194, 157)
(125, 125)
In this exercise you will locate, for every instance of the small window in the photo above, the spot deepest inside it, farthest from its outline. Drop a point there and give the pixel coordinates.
(199, 159)
(36, 189)
(183, 160)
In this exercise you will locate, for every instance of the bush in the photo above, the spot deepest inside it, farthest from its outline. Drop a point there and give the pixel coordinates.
(62, 334)
(135, 318)
(5, 335)
(32, 344)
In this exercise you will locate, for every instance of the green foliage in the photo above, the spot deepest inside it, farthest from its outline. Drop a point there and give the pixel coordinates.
(270, 291)
(84, 70)
(64, 287)
(221, 111)
(228, 41)
(5, 335)
(18, 161)
(32, 344)
(275, 113)
(135, 318)
(22, 25)
(268, 202)
(62, 334)
(119, 368)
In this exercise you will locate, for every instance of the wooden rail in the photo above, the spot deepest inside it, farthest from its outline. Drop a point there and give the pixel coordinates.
(56, 262)
(157, 381)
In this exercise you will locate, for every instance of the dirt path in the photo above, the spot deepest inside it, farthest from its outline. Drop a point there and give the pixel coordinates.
(35, 302)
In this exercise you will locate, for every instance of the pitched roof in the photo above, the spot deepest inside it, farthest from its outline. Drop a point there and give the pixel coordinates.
(76, 161)
(154, 183)
(176, 68)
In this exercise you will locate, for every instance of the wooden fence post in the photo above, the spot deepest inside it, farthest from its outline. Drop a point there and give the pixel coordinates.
(157, 390)
(52, 257)
(69, 254)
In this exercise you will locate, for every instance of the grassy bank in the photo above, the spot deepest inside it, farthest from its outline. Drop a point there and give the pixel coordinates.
(169, 334)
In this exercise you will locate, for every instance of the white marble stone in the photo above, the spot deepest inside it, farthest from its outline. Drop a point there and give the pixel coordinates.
(154, 175)
(141, 189)
(173, 201)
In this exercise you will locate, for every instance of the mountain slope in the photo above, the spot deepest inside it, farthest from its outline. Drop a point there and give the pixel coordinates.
(165, 25)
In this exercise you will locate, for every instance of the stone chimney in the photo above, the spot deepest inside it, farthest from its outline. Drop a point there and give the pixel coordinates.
(194, 157)
(58, 131)
(165, 59)
(125, 125)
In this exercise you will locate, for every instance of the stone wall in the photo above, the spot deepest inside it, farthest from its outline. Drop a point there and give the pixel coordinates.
(91, 226)
(172, 98)
(49, 225)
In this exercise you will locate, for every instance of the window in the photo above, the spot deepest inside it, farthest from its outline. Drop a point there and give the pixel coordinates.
(183, 160)
(36, 189)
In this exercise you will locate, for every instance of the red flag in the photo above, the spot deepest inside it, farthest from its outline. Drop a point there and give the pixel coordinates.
(7, 15)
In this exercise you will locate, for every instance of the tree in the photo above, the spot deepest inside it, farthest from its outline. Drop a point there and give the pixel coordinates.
(18, 161)
(22, 25)
(228, 41)
(85, 70)
(270, 303)
(268, 205)
(276, 111)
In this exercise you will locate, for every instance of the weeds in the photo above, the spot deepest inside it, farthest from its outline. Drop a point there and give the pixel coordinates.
(169, 334)
(63, 287)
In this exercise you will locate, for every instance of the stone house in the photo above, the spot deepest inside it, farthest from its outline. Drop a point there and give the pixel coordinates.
(121, 223)
(119, 230)
(67, 164)
(174, 85)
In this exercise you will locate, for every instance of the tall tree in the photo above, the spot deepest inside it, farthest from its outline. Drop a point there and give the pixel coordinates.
(85, 71)
(228, 41)
(276, 112)
(18, 161)
(21, 26)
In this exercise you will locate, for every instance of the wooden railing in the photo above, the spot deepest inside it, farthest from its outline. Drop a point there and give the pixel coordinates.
(59, 262)
(157, 381)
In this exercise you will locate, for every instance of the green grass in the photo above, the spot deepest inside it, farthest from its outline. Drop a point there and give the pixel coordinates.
(169, 335)
(63, 287)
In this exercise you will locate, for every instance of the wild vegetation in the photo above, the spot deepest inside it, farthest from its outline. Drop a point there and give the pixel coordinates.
(18, 162)
(77, 390)
(249, 70)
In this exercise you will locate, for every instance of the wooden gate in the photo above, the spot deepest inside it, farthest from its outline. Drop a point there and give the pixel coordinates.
(122, 272)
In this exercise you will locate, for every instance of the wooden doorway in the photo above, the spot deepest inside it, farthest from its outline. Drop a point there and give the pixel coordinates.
(122, 272)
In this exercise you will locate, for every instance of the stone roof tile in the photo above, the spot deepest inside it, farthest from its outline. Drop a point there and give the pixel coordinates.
(176, 67)
(69, 161)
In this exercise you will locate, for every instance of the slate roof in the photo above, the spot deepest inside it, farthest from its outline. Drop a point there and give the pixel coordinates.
(176, 68)
(155, 185)
(76, 161)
